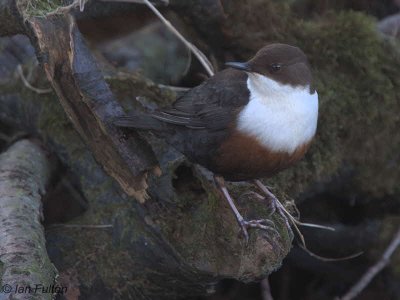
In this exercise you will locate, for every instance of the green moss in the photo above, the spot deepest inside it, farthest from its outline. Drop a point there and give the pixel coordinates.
(40, 8)
(357, 76)
(133, 91)
(196, 234)
(54, 125)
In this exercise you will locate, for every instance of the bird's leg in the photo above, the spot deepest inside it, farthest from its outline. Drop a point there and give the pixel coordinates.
(275, 204)
(244, 225)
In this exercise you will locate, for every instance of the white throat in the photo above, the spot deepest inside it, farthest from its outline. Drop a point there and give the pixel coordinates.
(279, 116)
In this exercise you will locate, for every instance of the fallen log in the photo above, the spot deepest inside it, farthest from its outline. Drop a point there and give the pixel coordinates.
(26, 270)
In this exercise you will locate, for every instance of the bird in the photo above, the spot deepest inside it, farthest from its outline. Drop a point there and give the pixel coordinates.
(248, 121)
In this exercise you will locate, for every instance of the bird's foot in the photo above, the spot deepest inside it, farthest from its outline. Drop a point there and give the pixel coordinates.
(274, 203)
(263, 224)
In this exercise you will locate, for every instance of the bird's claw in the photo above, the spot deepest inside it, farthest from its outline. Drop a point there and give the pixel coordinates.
(263, 224)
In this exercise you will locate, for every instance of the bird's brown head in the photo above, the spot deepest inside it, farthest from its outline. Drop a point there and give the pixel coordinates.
(282, 111)
(283, 63)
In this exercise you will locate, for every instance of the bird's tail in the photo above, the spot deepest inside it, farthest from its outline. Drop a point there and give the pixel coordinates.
(140, 121)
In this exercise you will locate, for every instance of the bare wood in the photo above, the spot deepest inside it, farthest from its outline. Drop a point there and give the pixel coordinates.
(88, 101)
(375, 269)
(24, 172)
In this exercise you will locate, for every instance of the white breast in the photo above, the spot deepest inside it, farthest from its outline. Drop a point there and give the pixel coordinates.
(280, 117)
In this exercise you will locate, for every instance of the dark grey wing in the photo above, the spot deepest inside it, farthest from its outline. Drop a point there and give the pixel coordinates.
(211, 105)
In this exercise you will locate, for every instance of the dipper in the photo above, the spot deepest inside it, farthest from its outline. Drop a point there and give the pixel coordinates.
(249, 121)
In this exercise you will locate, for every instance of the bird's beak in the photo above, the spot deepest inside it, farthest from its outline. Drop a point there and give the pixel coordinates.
(239, 66)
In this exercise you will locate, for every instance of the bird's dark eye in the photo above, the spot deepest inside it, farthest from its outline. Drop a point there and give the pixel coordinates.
(275, 67)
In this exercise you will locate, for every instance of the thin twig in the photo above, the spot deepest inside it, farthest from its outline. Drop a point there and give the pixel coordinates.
(200, 56)
(188, 62)
(266, 290)
(295, 222)
(315, 225)
(288, 214)
(329, 259)
(79, 226)
(82, 5)
(28, 85)
(303, 241)
(164, 2)
(375, 269)
(173, 88)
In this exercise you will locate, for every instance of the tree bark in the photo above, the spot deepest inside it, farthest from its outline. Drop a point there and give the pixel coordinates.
(90, 104)
(26, 268)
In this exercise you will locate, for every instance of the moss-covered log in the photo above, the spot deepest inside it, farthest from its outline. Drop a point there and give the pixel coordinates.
(26, 270)
(180, 242)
